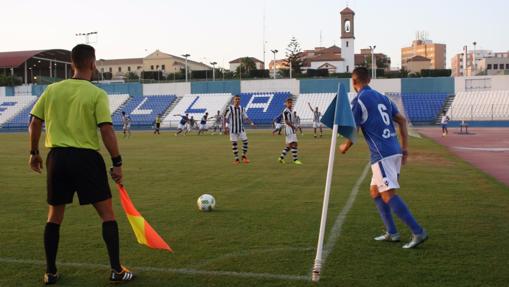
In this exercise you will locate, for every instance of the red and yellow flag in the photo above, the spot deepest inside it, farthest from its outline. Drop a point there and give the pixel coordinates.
(145, 234)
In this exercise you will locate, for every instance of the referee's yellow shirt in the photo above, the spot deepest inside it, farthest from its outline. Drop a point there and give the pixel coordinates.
(72, 110)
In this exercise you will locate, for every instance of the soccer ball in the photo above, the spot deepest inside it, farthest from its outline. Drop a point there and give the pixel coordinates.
(206, 202)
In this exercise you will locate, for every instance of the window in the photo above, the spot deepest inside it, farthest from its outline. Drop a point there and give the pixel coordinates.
(119, 69)
(111, 70)
(138, 68)
(152, 67)
(347, 43)
(489, 67)
(347, 68)
(507, 66)
(128, 68)
(162, 67)
(495, 66)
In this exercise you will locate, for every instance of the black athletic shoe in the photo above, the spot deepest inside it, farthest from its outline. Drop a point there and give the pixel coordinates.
(123, 276)
(50, 279)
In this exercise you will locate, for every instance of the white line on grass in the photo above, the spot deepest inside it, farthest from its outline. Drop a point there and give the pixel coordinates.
(168, 270)
(340, 219)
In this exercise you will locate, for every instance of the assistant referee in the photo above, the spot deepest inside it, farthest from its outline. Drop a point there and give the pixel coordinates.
(73, 110)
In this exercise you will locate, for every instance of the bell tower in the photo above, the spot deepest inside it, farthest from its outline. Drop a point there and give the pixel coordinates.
(348, 39)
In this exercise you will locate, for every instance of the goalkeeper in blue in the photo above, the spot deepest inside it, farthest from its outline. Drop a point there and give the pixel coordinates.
(375, 114)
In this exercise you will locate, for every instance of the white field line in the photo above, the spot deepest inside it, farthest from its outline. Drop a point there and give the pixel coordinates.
(167, 270)
(340, 219)
(329, 246)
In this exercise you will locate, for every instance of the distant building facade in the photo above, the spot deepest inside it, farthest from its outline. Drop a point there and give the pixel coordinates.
(436, 53)
(156, 61)
(236, 63)
(498, 64)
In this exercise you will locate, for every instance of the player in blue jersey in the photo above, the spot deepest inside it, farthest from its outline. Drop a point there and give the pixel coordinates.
(278, 124)
(182, 123)
(374, 113)
(203, 124)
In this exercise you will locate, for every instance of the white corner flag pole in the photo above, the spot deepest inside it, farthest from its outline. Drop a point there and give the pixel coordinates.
(318, 259)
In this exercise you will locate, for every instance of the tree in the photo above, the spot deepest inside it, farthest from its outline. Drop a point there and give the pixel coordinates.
(246, 66)
(131, 76)
(293, 56)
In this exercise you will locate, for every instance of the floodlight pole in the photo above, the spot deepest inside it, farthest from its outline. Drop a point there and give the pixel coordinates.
(474, 59)
(87, 36)
(186, 56)
(213, 70)
(274, 63)
(373, 64)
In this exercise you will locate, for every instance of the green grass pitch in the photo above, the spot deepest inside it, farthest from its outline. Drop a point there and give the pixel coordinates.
(266, 221)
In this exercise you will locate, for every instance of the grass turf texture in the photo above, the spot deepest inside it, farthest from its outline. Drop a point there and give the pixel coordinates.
(267, 217)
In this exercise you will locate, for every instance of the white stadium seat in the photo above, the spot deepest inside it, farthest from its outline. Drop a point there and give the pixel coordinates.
(116, 101)
(480, 106)
(11, 106)
(320, 100)
(197, 105)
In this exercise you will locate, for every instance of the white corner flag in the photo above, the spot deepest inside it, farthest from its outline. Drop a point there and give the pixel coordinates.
(339, 117)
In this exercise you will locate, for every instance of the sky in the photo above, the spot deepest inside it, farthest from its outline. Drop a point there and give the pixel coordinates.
(223, 30)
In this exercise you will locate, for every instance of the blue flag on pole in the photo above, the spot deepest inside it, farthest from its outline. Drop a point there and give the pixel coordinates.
(339, 112)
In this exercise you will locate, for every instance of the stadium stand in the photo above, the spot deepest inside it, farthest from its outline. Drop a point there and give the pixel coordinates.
(480, 106)
(262, 108)
(15, 109)
(196, 105)
(143, 110)
(116, 101)
(320, 100)
(422, 108)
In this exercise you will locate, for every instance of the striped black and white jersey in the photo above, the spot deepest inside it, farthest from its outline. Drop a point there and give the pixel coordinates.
(296, 120)
(235, 117)
(288, 117)
(316, 116)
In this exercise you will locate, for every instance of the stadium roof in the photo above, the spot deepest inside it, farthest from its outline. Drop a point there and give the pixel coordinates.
(238, 60)
(17, 58)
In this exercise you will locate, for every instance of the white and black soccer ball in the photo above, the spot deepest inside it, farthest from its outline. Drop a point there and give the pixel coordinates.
(206, 202)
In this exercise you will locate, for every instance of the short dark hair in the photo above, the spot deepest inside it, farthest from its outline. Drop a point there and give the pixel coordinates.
(236, 96)
(81, 55)
(362, 74)
(289, 100)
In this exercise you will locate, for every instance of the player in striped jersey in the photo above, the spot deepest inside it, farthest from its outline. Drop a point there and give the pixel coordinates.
(316, 119)
(218, 123)
(235, 115)
(296, 119)
(291, 136)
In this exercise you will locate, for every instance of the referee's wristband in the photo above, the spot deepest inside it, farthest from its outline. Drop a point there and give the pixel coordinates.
(116, 161)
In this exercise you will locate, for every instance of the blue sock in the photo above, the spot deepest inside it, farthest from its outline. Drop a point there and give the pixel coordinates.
(386, 215)
(399, 207)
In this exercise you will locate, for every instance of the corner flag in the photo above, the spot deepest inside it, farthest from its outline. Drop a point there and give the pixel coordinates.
(144, 233)
(339, 112)
(339, 117)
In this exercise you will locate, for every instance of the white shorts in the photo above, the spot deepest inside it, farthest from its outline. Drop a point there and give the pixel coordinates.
(291, 137)
(386, 173)
(127, 126)
(317, 125)
(278, 126)
(235, 137)
(203, 126)
(181, 126)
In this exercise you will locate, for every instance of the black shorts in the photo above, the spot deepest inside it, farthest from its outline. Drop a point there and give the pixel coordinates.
(158, 125)
(78, 170)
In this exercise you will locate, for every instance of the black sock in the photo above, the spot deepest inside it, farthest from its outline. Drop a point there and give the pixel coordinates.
(110, 236)
(51, 237)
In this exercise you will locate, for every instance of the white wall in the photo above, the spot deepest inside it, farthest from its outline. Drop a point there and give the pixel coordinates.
(23, 90)
(494, 83)
(2, 91)
(178, 89)
(386, 85)
(260, 86)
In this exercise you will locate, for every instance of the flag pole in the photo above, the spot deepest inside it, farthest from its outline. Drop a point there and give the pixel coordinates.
(318, 259)
(317, 267)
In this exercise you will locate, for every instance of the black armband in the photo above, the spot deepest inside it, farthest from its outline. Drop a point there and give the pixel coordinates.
(116, 161)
